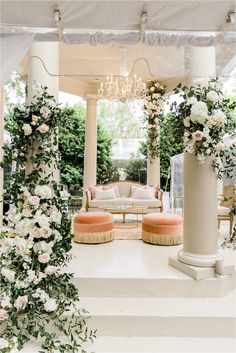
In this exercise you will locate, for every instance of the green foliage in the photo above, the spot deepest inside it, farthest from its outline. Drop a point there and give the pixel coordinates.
(72, 144)
(120, 119)
(40, 300)
(136, 170)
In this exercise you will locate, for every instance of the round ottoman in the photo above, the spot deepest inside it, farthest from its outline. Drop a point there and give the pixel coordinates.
(162, 229)
(93, 227)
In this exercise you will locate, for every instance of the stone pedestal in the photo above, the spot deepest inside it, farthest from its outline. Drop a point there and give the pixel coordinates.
(153, 171)
(200, 210)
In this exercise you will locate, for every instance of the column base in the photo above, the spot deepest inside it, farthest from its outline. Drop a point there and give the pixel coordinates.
(198, 259)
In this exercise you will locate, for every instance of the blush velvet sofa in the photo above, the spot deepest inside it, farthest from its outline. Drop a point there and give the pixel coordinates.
(124, 194)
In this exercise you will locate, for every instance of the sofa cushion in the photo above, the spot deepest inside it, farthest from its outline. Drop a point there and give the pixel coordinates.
(108, 194)
(115, 202)
(143, 194)
(114, 187)
(150, 203)
(93, 189)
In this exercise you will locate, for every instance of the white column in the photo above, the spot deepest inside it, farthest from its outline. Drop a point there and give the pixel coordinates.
(90, 153)
(1, 154)
(43, 68)
(43, 54)
(153, 167)
(153, 171)
(200, 184)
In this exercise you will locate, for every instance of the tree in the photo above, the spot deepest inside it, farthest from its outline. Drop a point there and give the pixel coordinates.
(121, 119)
(71, 146)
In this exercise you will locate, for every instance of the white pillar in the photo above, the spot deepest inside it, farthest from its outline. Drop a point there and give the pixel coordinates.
(90, 153)
(1, 154)
(200, 184)
(43, 69)
(153, 166)
(43, 54)
(153, 171)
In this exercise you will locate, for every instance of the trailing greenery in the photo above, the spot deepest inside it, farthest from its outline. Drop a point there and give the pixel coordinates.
(37, 300)
(72, 144)
(153, 117)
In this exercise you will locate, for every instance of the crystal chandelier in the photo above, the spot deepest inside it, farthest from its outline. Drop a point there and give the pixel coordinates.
(122, 88)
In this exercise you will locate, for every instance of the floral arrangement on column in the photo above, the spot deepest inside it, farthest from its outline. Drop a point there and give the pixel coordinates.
(153, 115)
(203, 117)
(37, 300)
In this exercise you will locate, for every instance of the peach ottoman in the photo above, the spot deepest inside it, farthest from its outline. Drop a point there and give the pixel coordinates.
(162, 229)
(93, 227)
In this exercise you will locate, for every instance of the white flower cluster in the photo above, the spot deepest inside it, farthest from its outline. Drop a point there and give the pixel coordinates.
(205, 123)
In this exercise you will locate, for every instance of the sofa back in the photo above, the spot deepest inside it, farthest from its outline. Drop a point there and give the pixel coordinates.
(123, 186)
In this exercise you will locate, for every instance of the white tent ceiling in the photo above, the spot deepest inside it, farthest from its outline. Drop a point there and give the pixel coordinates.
(110, 25)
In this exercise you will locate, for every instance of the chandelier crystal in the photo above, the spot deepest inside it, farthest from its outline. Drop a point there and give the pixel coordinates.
(122, 88)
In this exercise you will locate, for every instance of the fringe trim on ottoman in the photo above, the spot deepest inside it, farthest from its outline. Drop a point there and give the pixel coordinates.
(94, 238)
(160, 239)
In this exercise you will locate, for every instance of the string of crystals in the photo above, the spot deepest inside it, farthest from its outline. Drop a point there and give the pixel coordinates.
(122, 88)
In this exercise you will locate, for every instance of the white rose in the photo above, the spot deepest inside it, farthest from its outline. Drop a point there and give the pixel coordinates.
(3, 315)
(50, 305)
(6, 302)
(27, 129)
(43, 191)
(212, 96)
(45, 111)
(21, 302)
(50, 270)
(3, 343)
(45, 232)
(34, 232)
(44, 258)
(157, 85)
(42, 220)
(33, 200)
(30, 275)
(41, 294)
(152, 89)
(8, 274)
(43, 128)
(200, 82)
(20, 245)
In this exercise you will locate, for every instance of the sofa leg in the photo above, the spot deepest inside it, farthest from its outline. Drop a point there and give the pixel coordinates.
(123, 217)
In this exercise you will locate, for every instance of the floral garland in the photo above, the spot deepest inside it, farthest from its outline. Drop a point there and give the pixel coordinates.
(153, 115)
(203, 118)
(36, 298)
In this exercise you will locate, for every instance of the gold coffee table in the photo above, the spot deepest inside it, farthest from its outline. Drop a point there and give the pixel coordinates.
(137, 210)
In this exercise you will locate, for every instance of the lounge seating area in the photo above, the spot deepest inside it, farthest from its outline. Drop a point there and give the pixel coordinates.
(124, 194)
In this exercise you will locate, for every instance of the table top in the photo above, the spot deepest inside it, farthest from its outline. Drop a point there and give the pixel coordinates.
(122, 210)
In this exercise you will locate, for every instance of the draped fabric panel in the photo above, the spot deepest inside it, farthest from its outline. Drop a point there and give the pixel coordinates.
(13, 48)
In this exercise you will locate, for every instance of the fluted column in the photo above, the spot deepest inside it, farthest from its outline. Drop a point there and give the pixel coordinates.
(43, 69)
(90, 153)
(1, 154)
(200, 184)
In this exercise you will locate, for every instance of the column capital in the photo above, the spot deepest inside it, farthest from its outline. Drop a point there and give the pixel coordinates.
(91, 97)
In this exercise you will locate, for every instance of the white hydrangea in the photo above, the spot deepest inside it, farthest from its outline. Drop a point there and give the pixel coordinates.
(33, 200)
(201, 158)
(50, 305)
(23, 227)
(219, 117)
(43, 247)
(56, 217)
(199, 112)
(6, 302)
(43, 191)
(41, 295)
(27, 129)
(8, 274)
(3, 343)
(191, 101)
(42, 220)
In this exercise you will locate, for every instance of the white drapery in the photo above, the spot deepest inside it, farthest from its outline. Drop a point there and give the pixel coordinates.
(13, 48)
